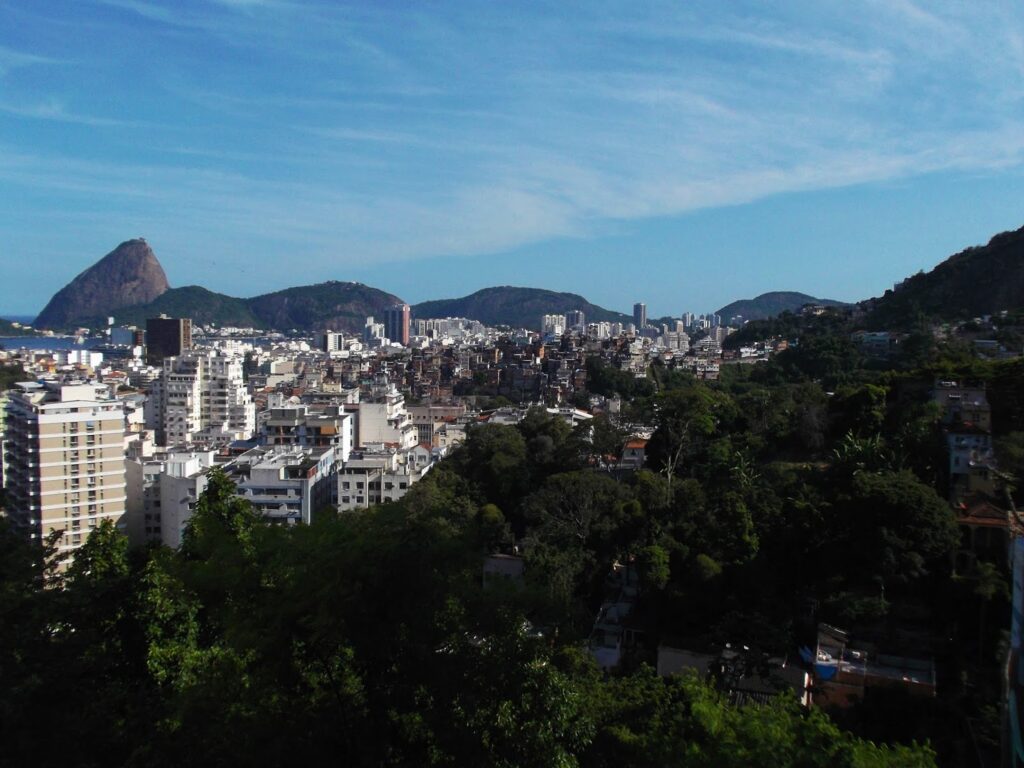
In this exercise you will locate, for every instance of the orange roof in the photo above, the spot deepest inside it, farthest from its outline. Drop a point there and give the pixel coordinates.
(977, 510)
(637, 443)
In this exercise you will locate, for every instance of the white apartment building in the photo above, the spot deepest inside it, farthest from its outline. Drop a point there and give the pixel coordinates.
(553, 325)
(387, 422)
(64, 457)
(162, 492)
(377, 477)
(286, 484)
(201, 399)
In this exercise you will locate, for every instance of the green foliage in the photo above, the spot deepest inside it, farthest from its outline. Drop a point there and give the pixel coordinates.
(369, 637)
(977, 281)
(894, 527)
(603, 379)
(644, 720)
(10, 375)
(193, 301)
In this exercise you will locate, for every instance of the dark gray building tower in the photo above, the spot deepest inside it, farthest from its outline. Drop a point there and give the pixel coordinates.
(640, 316)
(167, 337)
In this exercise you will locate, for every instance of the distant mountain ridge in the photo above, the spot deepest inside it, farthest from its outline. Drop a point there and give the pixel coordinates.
(129, 284)
(515, 306)
(977, 281)
(128, 275)
(332, 305)
(772, 304)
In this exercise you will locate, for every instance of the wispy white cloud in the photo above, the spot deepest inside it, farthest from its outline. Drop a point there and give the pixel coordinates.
(369, 133)
(11, 59)
(56, 111)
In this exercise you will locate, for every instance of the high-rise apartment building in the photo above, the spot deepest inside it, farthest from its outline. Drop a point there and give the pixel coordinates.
(332, 341)
(167, 337)
(201, 398)
(396, 324)
(640, 316)
(373, 332)
(576, 320)
(553, 325)
(64, 453)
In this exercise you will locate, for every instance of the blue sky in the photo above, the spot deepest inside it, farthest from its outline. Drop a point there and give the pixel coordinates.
(683, 154)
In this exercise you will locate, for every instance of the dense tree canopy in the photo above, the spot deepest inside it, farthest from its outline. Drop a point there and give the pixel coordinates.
(370, 638)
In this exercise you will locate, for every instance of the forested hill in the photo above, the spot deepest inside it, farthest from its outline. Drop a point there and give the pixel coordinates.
(7, 328)
(193, 301)
(771, 304)
(977, 281)
(520, 307)
(342, 306)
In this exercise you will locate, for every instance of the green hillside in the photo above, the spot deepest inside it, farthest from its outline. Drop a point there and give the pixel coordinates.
(771, 304)
(193, 301)
(977, 281)
(341, 306)
(520, 307)
(336, 305)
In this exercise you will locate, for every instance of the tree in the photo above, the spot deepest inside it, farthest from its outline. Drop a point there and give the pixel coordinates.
(653, 561)
(495, 457)
(685, 420)
(896, 527)
(646, 721)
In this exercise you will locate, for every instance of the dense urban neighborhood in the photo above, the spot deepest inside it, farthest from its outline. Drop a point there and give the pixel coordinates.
(699, 540)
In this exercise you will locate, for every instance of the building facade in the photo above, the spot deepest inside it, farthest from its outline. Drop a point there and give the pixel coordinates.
(201, 398)
(640, 315)
(396, 324)
(167, 337)
(64, 453)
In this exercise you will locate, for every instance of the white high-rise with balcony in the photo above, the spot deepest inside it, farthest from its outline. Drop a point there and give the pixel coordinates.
(201, 398)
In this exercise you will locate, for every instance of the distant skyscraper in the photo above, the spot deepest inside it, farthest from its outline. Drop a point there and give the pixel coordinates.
(167, 337)
(639, 315)
(396, 324)
(576, 320)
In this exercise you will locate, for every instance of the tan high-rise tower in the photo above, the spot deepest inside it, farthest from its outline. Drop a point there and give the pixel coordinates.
(64, 452)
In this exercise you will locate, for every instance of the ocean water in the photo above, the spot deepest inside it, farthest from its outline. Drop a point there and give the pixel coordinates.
(49, 343)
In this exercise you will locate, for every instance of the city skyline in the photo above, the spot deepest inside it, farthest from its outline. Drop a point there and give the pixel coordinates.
(680, 157)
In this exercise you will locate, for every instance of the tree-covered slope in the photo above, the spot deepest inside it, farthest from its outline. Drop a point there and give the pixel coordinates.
(521, 307)
(192, 301)
(7, 328)
(771, 304)
(342, 306)
(977, 281)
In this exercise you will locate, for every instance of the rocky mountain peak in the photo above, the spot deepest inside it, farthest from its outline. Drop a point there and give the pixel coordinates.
(128, 275)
